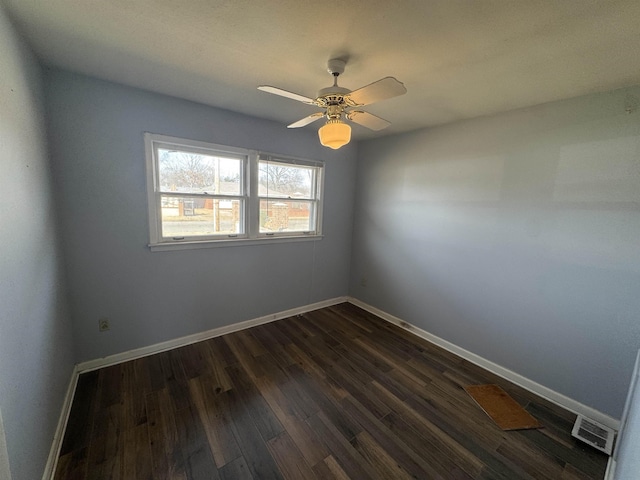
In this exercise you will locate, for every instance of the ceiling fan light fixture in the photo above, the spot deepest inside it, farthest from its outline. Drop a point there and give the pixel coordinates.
(334, 134)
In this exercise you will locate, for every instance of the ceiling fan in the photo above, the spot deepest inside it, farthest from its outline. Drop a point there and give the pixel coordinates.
(339, 103)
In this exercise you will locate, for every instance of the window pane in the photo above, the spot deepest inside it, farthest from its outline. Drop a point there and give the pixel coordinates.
(281, 180)
(286, 216)
(188, 172)
(198, 216)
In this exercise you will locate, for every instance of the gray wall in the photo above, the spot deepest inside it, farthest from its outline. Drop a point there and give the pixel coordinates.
(36, 355)
(514, 236)
(96, 131)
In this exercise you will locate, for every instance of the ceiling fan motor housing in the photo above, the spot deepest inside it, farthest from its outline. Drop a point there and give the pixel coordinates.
(334, 111)
(333, 91)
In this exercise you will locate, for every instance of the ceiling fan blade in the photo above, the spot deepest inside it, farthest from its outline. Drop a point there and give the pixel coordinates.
(306, 120)
(387, 87)
(368, 120)
(285, 93)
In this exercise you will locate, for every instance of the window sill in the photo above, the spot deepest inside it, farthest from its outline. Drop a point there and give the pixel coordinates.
(238, 242)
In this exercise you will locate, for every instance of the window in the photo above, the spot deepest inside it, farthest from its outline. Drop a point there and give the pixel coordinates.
(288, 196)
(202, 194)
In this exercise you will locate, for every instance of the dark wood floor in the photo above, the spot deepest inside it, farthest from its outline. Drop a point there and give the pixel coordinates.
(335, 393)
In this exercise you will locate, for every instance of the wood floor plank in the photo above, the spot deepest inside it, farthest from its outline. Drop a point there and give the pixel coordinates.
(215, 416)
(276, 346)
(330, 407)
(274, 330)
(348, 459)
(137, 462)
(334, 469)
(330, 469)
(330, 322)
(407, 459)
(320, 342)
(532, 461)
(172, 368)
(315, 371)
(220, 351)
(236, 470)
(64, 465)
(195, 359)
(251, 343)
(435, 438)
(178, 394)
(371, 371)
(155, 372)
(159, 438)
(106, 449)
(215, 368)
(363, 325)
(582, 457)
(78, 431)
(305, 439)
(133, 396)
(466, 413)
(73, 465)
(310, 329)
(246, 391)
(301, 400)
(353, 381)
(572, 473)
(493, 461)
(111, 381)
(259, 461)
(383, 463)
(335, 393)
(250, 364)
(446, 463)
(173, 446)
(196, 454)
(291, 462)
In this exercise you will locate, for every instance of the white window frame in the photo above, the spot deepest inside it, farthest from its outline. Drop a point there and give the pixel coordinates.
(249, 196)
(315, 201)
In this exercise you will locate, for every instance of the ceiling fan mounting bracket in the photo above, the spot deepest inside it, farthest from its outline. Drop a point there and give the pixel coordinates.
(335, 66)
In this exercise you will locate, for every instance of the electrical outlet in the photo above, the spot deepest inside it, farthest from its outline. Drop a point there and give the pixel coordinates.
(103, 324)
(363, 281)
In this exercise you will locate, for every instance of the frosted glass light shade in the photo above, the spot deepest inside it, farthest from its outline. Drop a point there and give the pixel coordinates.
(334, 134)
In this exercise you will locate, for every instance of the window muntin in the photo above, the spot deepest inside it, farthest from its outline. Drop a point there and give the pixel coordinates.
(202, 194)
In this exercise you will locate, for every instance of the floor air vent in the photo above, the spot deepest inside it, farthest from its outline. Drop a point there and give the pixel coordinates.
(594, 433)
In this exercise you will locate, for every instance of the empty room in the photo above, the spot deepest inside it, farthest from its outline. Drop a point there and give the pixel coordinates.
(319, 240)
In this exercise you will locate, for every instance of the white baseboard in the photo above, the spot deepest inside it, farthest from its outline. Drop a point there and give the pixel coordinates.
(534, 387)
(611, 469)
(198, 337)
(58, 436)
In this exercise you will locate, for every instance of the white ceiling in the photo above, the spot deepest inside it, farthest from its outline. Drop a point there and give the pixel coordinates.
(457, 58)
